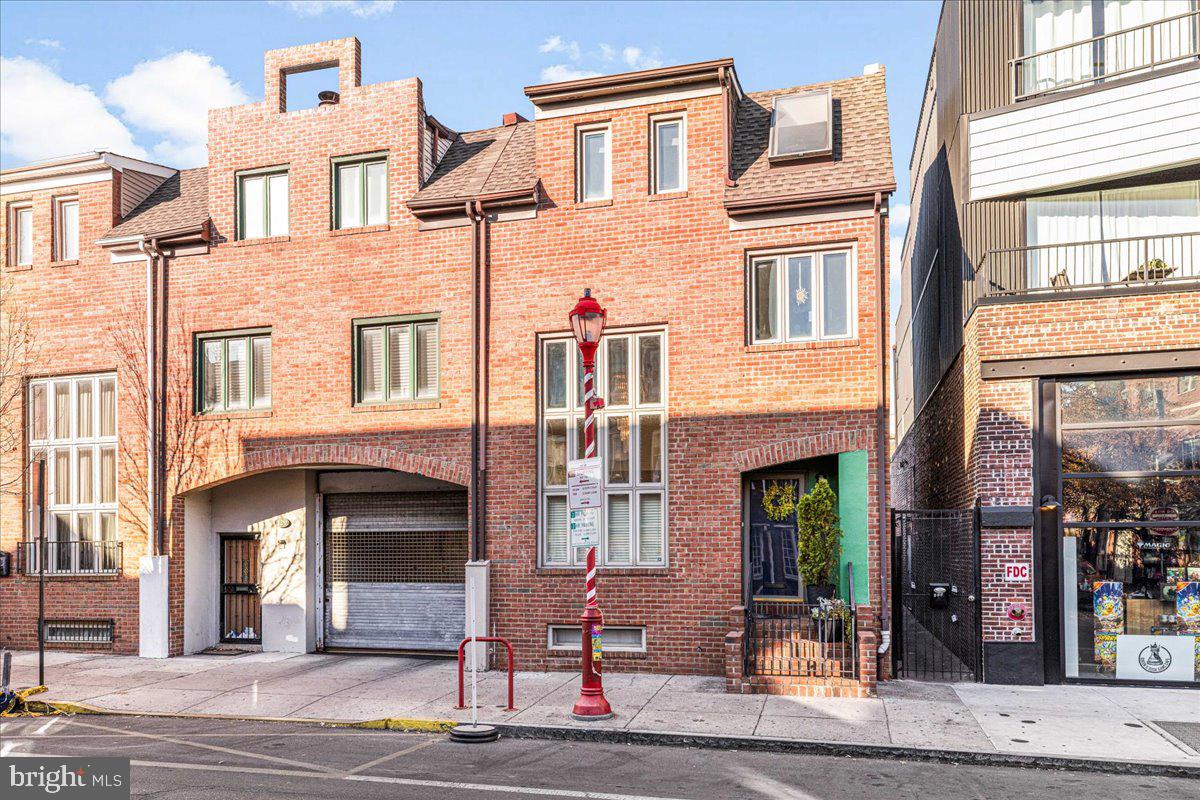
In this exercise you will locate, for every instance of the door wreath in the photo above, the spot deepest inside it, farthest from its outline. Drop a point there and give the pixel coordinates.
(779, 500)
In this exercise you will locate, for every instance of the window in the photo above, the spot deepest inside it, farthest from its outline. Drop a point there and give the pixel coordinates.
(73, 426)
(668, 154)
(396, 359)
(360, 194)
(262, 204)
(631, 438)
(802, 124)
(233, 371)
(615, 639)
(594, 162)
(20, 235)
(798, 297)
(66, 229)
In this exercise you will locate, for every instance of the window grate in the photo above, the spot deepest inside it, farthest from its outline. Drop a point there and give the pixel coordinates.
(95, 631)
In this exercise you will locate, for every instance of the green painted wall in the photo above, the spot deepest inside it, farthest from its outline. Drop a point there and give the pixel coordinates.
(852, 509)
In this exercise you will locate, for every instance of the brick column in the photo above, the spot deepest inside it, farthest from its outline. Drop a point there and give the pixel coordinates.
(735, 652)
(868, 658)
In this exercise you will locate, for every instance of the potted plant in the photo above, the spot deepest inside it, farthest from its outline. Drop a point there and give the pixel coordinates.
(831, 617)
(819, 541)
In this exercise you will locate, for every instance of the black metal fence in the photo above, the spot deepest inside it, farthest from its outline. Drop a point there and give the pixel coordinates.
(937, 626)
(789, 638)
(72, 557)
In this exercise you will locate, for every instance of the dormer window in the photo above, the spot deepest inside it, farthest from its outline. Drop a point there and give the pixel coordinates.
(802, 125)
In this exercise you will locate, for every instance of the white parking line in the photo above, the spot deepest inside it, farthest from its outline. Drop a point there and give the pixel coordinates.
(390, 756)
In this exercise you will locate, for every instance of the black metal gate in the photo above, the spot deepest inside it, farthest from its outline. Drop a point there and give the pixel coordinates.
(937, 629)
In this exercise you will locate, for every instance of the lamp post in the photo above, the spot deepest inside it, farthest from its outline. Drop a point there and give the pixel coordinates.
(587, 323)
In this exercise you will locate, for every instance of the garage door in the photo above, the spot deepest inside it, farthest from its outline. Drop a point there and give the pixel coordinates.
(394, 566)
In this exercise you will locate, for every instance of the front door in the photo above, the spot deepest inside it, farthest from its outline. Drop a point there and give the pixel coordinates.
(773, 568)
(241, 609)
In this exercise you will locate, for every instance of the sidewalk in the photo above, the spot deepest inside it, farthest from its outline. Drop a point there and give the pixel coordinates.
(1159, 726)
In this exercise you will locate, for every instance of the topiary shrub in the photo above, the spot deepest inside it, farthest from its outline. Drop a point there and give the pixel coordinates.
(819, 535)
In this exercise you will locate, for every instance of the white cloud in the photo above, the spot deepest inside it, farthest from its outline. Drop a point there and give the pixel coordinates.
(636, 58)
(607, 52)
(588, 62)
(44, 115)
(556, 44)
(898, 214)
(53, 44)
(363, 9)
(565, 72)
(170, 97)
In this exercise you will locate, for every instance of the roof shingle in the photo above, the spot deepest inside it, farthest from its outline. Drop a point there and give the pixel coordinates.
(180, 202)
(484, 162)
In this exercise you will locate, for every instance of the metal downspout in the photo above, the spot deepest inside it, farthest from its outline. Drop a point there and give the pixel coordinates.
(151, 409)
(885, 619)
(474, 480)
(484, 350)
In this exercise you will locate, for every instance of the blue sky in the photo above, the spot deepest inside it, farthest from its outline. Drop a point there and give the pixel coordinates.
(138, 77)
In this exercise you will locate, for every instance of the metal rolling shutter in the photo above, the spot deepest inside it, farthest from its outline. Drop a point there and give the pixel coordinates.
(394, 566)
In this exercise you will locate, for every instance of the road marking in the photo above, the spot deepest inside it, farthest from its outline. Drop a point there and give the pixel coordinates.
(390, 756)
(42, 730)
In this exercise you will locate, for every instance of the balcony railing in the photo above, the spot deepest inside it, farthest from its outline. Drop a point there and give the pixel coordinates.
(1145, 47)
(73, 557)
(1047, 270)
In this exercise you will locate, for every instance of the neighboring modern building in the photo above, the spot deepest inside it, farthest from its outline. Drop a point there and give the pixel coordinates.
(361, 376)
(1048, 347)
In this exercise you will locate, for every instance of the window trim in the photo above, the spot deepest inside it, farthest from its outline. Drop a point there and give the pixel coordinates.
(780, 256)
(14, 233)
(413, 320)
(249, 334)
(581, 132)
(773, 156)
(59, 229)
(360, 160)
(240, 201)
(657, 120)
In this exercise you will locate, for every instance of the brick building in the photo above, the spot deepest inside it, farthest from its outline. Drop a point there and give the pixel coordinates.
(361, 378)
(1048, 344)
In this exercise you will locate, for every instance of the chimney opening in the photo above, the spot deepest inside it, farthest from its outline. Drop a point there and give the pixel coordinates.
(328, 98)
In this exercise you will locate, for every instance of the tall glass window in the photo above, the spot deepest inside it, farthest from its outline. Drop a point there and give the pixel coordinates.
(593, 155)
(668, 154)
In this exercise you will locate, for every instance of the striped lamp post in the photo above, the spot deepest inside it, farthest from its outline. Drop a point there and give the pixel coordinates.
(587, 323)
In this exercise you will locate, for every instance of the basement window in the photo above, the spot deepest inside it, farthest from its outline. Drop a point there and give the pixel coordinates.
(802, 125)
(97, 631)
(615, 639)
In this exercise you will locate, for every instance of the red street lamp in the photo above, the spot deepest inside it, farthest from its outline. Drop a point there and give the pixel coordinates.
(587, 323)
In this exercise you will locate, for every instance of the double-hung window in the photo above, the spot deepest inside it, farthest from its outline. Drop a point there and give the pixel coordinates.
(66, 228)
(396, 359)
(593, 158)
(20, 235)
(73, 426)
(796, 297)
(233, 371)
(262, 203)
(631, 432)
(668, 154)
(360, 191)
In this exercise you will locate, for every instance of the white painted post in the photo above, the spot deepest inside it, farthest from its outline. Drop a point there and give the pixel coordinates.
(474, 660)
(153, 614)
(478, 574)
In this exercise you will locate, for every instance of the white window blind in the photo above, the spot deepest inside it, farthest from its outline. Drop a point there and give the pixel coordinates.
(377, 193)
(68, 230)
(427, 360)
(371, 359)
(262, 370)
(235, 372)
(361, 193)
(397, 361)
(400, 356)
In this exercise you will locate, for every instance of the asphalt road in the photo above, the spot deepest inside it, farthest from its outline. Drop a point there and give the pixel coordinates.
(184, 759)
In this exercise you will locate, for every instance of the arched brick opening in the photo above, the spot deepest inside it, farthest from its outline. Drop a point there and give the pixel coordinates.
(787, 450)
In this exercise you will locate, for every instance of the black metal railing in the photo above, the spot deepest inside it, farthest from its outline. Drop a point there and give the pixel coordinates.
(1061, 268)
(785, 638)
(1150, 46)
(71, 557)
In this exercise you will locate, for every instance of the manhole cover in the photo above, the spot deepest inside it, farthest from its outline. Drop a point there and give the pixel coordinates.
(1186, 732)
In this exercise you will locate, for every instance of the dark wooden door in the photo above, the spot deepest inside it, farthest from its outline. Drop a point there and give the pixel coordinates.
(241, 610)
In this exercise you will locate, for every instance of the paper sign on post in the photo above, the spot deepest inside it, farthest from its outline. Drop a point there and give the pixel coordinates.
(584, 525)
(583, 483)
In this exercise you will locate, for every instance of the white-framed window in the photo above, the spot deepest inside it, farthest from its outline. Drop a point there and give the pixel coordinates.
(233, 371)
(262, 199)
(616, 638)
(802, 124)
(593, 158)
(396, 359)
(20, 235)
(631, 433)
(668, 153)
(73, 426)
(360, 191)
(802, 296)
(66, 228)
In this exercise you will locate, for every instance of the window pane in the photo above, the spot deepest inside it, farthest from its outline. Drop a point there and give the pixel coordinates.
(650, 449)
(214, 376)
(108, 527)
(580, 443)
(69, 231)
(556, 452)
(618, 449)
(370, 364)
(108, 475)
(556, 530)
(38, 414)
(766, 290)
(618, 371)
(427, 359)
(1144, 449)
(83, 409)
(85, 534)
(59, 558)
(349, 191)
(62, 410)
(556, 375)
(618, 530)
(649, 369)
(25, 236)
(108, 407)
(262, 371)
(253, 205)
(279, 205)
(400, 362)
(236, 370)
(650, 528)
(377, 205)
(835, 293)
(86, 475)
(667, 156)
(1129, 399)
(578, 376)
(1128, 499)
(800, 297)
(801, 123)
(595, 165)
(62, 477)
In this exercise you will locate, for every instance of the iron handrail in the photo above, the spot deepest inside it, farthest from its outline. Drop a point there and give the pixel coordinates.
(71, 557)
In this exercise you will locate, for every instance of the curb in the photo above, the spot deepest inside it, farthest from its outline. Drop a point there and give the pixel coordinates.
(386, 723)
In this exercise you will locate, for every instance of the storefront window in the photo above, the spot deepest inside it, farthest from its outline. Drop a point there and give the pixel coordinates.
(1131, 527)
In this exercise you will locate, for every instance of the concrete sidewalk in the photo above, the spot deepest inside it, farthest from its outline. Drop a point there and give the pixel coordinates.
(1107, 723)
